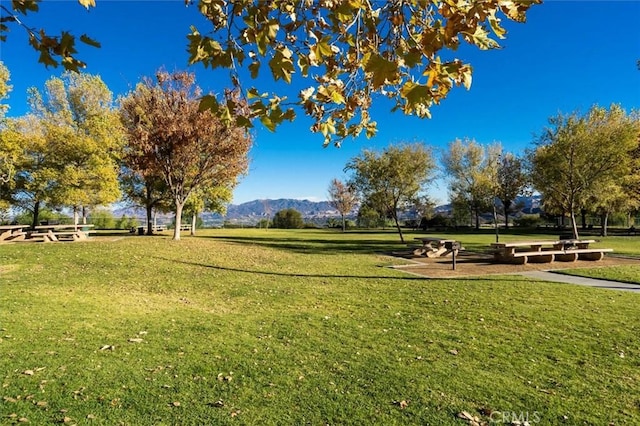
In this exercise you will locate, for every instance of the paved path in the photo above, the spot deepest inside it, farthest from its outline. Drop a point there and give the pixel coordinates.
(571, 279)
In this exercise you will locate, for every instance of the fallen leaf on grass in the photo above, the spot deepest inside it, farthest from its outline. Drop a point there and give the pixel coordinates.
(453, 352)
(9, 399)
(23, 420)
(109, 347)
(135, 340)
(41, 404)
(90, 416)
(66, 420)
(221, 377)
(219, 403)
(28, 372)
(175, 403)
(472, 420)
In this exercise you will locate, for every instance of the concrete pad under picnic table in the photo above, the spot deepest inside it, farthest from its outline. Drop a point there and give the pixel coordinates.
(471, 264)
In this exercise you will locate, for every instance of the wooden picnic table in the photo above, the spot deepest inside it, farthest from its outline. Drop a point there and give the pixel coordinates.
(71, 232)
(436, 246)
(566, 250)
(12, 232)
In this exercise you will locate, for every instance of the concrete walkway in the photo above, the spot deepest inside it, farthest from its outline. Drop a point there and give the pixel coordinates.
(571, 279)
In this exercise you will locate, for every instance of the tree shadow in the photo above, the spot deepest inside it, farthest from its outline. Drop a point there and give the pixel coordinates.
(315, 245)
(290, 274)
(411, 277)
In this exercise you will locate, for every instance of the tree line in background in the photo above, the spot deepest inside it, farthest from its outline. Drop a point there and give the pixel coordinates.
(76, 150)
(580, 164)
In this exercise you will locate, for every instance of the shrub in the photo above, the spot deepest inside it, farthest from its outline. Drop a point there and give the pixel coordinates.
(527, 221)
(288, 219)
(102, 219)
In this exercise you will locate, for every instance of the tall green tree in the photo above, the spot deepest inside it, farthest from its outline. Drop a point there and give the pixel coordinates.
(37, 172)
(82, 128)
(190, 149)
(342, 198)
(349, 52)
(213, 199)
(512, 181)
(393, 177)
(577, 154)
(8, 147)
(472, 170)
(5, 88)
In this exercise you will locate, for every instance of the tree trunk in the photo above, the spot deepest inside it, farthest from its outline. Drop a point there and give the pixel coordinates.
(477, 214)
(395, 218)
(495, 222)
(583, 213)
(36, 214)
(149, 219)
(605, 223)
(178, 221)
(194, 219)
(85, 213)
(344, 224)
(574, 224)
(507, 206)
(75, 215)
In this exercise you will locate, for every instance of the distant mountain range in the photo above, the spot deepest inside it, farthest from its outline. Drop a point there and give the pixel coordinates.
(252, 212)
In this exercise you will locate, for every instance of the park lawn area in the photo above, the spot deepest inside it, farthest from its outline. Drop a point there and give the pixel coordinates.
(306, 326)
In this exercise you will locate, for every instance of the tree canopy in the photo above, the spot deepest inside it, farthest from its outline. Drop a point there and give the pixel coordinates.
(393, 178)
(65, 152)
(472, 169)
(343, 198)
(577, 155)
(189, 148)
(350, 52)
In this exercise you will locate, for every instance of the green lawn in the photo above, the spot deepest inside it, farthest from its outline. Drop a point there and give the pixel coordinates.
(296, 327)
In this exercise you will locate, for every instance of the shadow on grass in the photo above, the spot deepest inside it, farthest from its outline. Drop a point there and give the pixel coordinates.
(367, 277)
(290, 274)
(316, 245)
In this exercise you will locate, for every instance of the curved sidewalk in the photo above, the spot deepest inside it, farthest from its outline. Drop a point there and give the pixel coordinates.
(572, 279)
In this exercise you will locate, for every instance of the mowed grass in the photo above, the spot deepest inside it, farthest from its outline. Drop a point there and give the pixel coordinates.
(296, 327)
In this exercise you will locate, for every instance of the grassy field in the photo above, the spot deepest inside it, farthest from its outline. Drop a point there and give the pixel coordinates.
(296, 327)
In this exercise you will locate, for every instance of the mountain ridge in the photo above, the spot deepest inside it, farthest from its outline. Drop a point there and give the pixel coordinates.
(251, 212)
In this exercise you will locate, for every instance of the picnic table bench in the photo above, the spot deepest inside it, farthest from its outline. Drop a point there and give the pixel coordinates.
(50, 233)
(12, 232)
(568, 250)
(436, 247)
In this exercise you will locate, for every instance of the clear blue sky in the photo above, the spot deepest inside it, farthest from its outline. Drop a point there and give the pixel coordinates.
(568, 56)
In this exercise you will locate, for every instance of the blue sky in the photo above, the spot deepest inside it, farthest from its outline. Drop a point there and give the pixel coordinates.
(568, 56)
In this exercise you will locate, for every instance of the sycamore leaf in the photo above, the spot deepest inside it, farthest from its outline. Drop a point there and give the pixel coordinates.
(266, 121)
(382, 71)
(209, 102)
(254, 68)
(87, 3)
(87, 40)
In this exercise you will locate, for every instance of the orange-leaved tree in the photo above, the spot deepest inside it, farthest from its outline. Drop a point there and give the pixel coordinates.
(189, 148)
